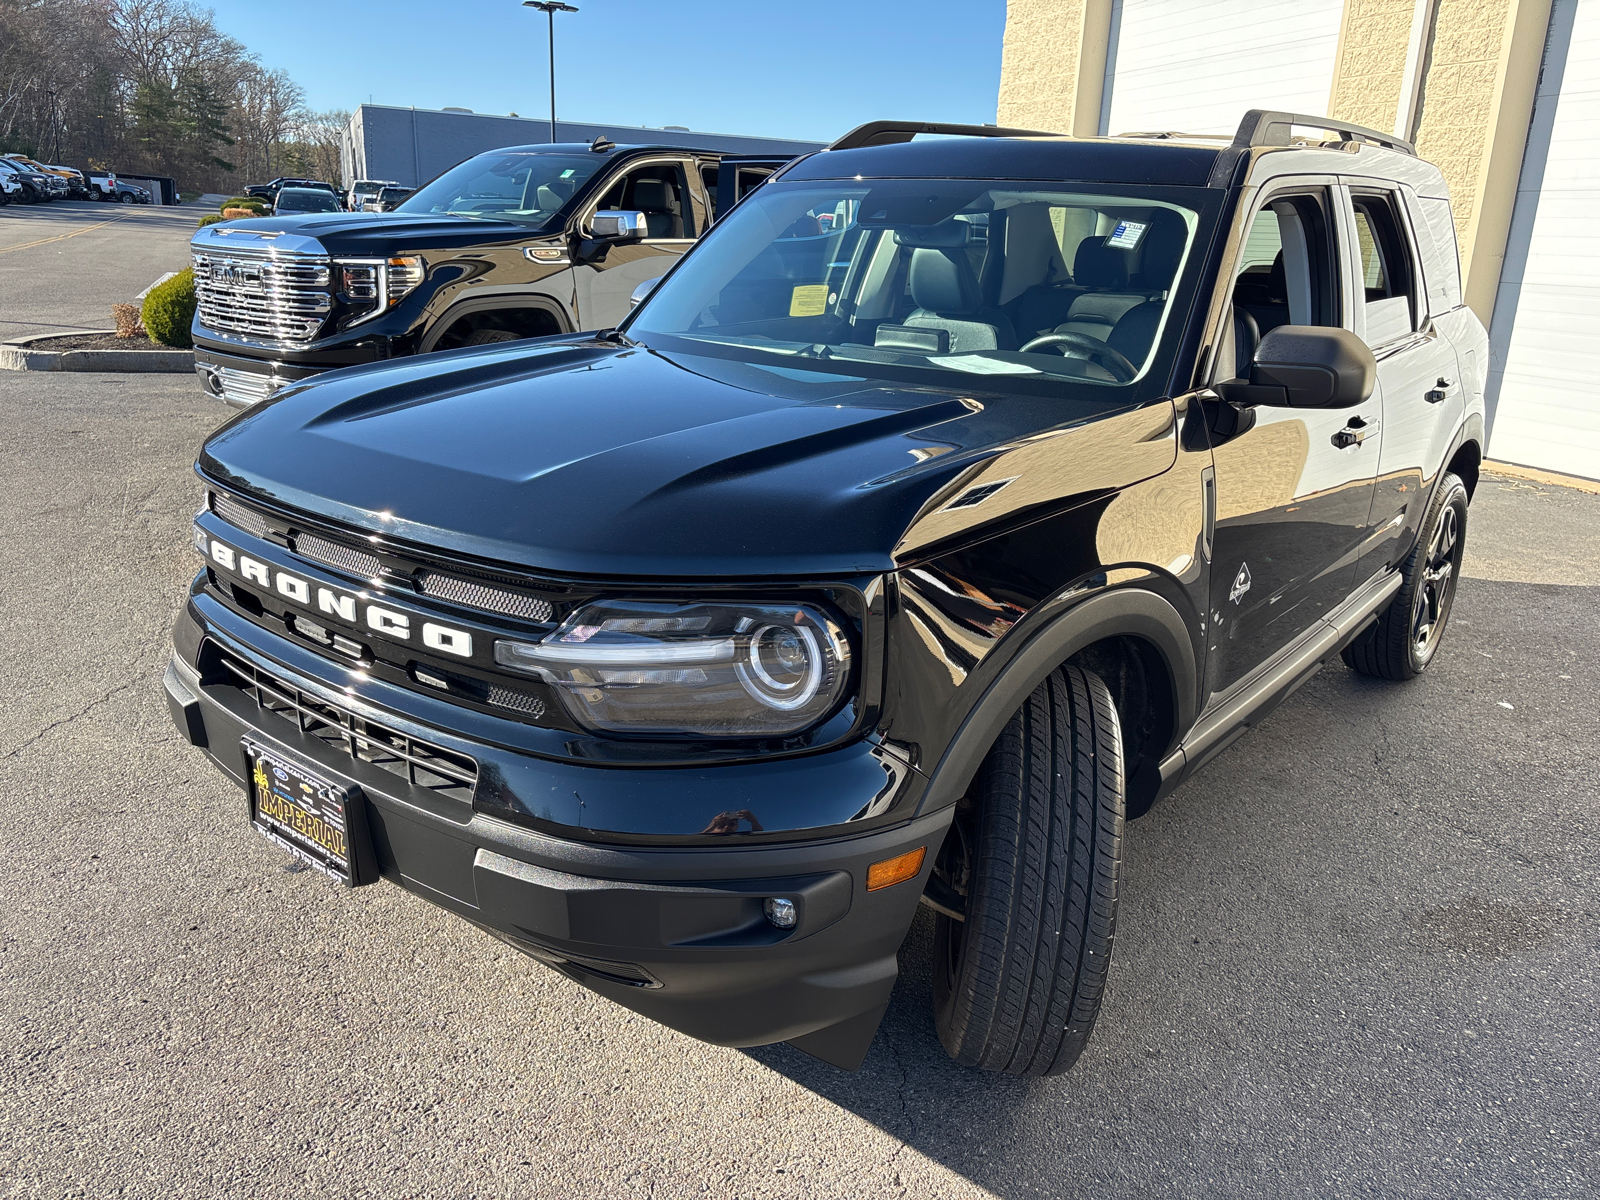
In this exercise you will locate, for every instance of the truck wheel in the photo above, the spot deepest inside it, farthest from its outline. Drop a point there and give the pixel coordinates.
(486, 337)
(1403, 641)
(1034, 855)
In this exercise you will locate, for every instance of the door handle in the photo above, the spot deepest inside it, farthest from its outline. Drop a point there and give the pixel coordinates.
(1438, 393)
(1357, 431)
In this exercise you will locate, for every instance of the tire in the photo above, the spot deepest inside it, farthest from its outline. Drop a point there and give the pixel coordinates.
(29, 195)
(487, 337)
(1035, 850)
(1406, 636)
(126, 197)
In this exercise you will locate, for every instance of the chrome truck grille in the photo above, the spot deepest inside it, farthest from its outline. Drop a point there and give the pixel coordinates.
(268, 299)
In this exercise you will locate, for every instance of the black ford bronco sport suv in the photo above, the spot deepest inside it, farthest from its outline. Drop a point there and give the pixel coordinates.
(946, 507)
(515, 243)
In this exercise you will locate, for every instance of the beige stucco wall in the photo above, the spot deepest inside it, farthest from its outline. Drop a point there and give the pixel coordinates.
(1370, 68)
(1039, 63)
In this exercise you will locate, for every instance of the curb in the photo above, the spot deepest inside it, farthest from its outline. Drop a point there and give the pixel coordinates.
(15, 356)
(1535, 475)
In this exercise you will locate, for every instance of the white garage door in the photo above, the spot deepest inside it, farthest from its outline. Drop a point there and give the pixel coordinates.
(1545, 339)
(1197, 65)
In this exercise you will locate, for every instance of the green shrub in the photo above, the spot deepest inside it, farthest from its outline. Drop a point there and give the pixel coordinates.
(211, 219)
(169, 310)
(251, 202)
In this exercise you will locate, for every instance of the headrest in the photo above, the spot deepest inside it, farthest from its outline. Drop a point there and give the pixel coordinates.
(654, 195)
(1161, 251)
(945, 235)
(1278, 281)
(942, 281)
(1097, 265)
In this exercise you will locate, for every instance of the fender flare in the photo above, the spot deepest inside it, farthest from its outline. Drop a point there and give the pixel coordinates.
(1125, 612)
(498, 303)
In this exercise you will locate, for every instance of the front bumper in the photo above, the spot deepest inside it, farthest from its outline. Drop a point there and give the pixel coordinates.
(242, 376)
(675, 932)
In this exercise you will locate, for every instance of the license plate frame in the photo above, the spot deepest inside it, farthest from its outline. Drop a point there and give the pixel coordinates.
(320, 823)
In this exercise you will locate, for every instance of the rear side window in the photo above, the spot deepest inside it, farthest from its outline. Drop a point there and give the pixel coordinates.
(1441, 265)
(1385, 268)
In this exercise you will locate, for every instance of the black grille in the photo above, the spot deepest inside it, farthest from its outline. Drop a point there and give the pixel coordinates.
(412, 759)
(346, 558)
(473, 594)
(237, 515)
(511, 698)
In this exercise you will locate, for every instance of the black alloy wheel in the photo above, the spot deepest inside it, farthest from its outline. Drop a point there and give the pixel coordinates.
(127, 197)
(1406, 636)
(1025, 885)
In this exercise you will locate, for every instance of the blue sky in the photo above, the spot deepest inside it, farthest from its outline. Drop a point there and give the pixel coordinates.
(776, 69)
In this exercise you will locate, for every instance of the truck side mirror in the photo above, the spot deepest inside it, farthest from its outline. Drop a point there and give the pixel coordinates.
(618, 225)
(1306, 366)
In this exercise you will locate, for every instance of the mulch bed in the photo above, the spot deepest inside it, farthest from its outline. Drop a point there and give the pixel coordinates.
(96, 341)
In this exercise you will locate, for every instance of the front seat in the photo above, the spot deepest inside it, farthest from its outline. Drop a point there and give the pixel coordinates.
(1104, 270)
(658, 201)
(945, 291)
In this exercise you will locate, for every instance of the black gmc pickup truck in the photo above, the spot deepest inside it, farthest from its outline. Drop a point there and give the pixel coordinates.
(521, 242)
(947, 506)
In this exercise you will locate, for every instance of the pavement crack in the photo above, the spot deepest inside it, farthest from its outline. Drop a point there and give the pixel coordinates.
(67, 720)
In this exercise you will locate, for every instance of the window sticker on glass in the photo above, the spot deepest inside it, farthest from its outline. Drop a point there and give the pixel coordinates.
(808, 300)
(982, 366)
(1127, 234)
(567, 174)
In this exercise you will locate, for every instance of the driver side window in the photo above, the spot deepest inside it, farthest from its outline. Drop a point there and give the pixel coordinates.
(1287, 275)
(661, 192)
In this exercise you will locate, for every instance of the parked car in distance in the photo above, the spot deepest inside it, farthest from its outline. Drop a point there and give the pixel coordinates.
(132, 193)
(36, 186)
(296, 201)
(269, 191)
(10, 186)
(896, 564)
(514, 243)
(45, 183)
(103, 185)
(363, 190)
(387, 199)
(77, 182)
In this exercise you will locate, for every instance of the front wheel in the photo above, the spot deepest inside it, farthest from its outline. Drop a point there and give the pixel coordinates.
(1406, 635)
(127, 197)
(1033, 858)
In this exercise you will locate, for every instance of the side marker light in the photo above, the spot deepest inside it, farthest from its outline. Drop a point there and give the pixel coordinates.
(895, 870)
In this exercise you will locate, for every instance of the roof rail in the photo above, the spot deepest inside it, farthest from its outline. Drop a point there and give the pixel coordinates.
(887, 133)
(1262, 127)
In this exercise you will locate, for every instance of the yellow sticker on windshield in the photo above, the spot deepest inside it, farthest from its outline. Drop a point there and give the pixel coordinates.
(809, 300)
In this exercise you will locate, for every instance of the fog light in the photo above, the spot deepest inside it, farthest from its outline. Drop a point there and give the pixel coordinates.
(782, 913)
(895, 870)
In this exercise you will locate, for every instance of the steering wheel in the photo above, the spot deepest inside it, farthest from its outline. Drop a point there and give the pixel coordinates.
(1093, 348)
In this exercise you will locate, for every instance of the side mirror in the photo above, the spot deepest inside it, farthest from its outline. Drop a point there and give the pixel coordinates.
(640, 292)
(617, 225)
(1306, 366)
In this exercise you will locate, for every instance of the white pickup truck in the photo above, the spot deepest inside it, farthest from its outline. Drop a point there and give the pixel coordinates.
(103, 185)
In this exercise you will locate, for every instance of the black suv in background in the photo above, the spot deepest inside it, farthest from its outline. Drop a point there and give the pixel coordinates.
(949, 506)
(521, 242)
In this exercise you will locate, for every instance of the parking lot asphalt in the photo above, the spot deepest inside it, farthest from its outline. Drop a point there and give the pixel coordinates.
(64, 264)
(1357, 955)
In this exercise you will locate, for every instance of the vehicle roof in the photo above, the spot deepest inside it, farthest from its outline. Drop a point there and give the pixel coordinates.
(1160, 158)
(584, 148)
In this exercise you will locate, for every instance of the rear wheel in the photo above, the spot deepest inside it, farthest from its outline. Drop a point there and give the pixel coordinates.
(486, 337)
(1406, 635)
(1033, 858)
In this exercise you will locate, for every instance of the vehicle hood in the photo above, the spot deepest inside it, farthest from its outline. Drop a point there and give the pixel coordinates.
(363, 234)
(588, 458)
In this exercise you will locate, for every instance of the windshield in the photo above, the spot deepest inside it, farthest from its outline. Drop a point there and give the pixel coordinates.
(1040, 283)
(527, 187)
(306, 200)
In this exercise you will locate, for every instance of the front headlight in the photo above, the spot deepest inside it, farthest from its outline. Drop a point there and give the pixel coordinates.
(716, 670)
(370, 287)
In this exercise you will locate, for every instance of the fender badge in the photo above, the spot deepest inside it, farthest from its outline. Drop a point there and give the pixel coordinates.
(1241, 583)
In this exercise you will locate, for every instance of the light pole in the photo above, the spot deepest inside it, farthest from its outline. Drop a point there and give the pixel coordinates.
(550, 8)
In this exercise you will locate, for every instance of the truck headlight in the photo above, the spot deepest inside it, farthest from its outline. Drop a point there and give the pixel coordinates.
(712, 669)
(370, 287)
